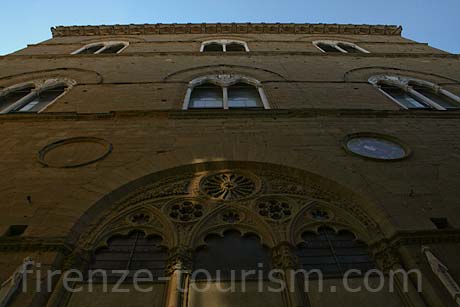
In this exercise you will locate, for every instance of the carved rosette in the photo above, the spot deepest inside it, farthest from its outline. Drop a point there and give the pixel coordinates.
(228, 186)
(185, 210)
(232, 216)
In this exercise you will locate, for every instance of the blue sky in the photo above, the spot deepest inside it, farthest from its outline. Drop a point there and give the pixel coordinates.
(28, 21)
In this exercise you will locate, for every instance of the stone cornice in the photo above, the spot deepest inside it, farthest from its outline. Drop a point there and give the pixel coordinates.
(213, 114)
(226, 28)
(424, 237)
(236, 54)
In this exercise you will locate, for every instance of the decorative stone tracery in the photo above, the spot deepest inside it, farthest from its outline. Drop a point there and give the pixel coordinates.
(275, 204)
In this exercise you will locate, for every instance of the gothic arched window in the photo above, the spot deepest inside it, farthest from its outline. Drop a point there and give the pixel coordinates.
(412, 93)
(232, 252)
(32, 97)
(224, 45)
(102, 48)
(225, 92)
(133, 252)
(338, 47)
(333, 253)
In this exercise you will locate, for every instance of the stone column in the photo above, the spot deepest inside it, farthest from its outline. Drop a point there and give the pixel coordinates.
(284, 259)
(390, 262)
(178, 270)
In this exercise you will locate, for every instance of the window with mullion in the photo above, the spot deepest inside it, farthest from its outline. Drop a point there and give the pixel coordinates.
(403, 97)
(38, 101)
(438, 98)
(328, 48)
(348, 48)
(132, 252)
(92, 49)
(112, 49)
(14, 96)
(333, 253)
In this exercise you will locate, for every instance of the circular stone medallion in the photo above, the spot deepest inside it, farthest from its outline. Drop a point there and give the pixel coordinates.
(74, 152)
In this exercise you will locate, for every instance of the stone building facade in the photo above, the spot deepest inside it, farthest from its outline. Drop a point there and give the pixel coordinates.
(222, 145)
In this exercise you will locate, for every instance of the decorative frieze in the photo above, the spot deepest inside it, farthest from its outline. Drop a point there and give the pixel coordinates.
(226, 28)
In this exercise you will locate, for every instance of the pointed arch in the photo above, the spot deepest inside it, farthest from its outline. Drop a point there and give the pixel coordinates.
(153, 194)
(147, 219)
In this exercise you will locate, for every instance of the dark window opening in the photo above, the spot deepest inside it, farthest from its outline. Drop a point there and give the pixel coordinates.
(231, 252)
(112, 49)
(235, 47)
(132, 252)
(16, 230)
(42, 99)
(14, 96)
(328, 48)
(404, 97)
(440, 99)
(349, 48)
(91, 49)
(333, 253)
(206, 96)
(242, 95)
(441, 223)
(213, 47)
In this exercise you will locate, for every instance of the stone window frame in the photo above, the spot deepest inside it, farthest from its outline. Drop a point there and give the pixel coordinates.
(105, 45)
(335, 44)
(225, 81)
(38, 86)
(405, 83)
(224, 43)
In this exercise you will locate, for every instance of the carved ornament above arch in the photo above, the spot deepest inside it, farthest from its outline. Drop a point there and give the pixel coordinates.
(363, 74)
(191, 73)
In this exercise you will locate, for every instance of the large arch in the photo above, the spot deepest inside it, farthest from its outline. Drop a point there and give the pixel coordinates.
(155, 195)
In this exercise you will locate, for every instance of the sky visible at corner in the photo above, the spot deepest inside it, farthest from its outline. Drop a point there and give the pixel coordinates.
(430, 21)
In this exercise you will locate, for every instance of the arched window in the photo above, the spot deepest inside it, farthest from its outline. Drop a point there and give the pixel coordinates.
(213, 47)
(225, 91)
(32, 97)
(243, 95)
(333, 253)
(338, 47)
(132, 252)
(206, 96)
(224, 45)
(235, 47)
(9, 98)
(232, 252)
(103, 48)
(411, 93)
